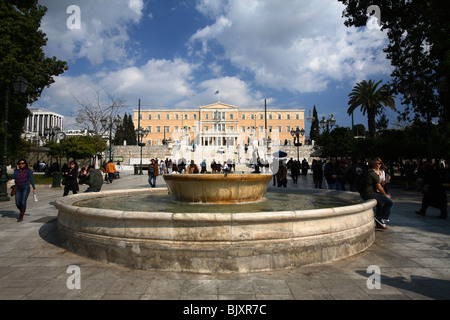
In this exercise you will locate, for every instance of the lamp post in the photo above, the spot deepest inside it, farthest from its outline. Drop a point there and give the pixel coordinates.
(109, 126)
(328, 123)
(141, 133)
(296, 134)
(56, 134)
(19, 86)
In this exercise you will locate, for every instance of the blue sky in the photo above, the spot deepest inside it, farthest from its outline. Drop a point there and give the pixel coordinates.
(293, 53)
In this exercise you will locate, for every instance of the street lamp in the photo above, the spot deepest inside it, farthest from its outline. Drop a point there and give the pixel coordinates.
(328, 123)
(141, 133)
(296, 134)
(112, 122)
(19, 86)
(55, 134)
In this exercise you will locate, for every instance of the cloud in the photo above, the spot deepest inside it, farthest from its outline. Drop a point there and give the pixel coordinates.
(299, 46)
(157, 83)
(103, 35)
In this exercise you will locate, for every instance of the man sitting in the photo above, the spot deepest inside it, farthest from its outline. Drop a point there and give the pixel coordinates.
(372, 189)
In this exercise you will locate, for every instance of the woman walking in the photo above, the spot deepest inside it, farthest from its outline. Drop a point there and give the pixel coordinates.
(23, 176)
(71, 178)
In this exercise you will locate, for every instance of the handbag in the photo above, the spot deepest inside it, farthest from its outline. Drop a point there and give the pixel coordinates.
(13, 190)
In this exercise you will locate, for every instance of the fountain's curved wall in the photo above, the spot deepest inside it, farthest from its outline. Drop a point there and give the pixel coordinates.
(214, 243)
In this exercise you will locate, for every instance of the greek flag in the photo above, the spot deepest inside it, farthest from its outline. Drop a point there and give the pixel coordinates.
(217, 92)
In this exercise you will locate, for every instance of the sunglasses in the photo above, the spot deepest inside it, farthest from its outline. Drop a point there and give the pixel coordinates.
(21, 163)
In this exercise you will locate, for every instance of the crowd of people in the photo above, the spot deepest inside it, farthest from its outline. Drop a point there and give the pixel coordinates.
(370, 178)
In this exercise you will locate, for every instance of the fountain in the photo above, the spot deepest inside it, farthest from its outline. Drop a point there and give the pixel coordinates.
(220, 240)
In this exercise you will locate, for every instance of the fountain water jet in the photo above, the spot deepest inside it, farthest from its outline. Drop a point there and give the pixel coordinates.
(215, 242)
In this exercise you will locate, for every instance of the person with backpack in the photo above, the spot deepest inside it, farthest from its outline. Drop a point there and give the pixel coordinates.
(371, 188)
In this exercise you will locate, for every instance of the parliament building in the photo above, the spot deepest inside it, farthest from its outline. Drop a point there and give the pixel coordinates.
(220, 125)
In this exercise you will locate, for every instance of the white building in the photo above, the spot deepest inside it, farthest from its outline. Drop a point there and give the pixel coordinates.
(36, 123)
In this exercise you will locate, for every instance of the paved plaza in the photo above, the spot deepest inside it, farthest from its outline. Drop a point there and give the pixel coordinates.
(412, 258)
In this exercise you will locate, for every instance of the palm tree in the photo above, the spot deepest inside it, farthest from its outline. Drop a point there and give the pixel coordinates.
(371, 99)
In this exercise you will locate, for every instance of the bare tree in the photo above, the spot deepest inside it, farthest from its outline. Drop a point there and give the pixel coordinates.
(101, 105)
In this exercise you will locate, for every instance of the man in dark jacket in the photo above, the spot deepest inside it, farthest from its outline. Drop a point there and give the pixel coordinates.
(95, 181)
(372, 189)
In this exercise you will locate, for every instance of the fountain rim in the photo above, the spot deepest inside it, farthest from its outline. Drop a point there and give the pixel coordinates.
(68, 204)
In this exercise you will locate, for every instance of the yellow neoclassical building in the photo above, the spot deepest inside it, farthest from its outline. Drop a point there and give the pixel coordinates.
(220, 125)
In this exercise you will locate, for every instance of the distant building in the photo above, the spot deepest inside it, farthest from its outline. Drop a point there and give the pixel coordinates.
(40, 119)
(220, 124)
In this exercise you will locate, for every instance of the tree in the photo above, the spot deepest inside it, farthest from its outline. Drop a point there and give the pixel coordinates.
(419, 50)
(22, 54)
(101, 105)
(315, 130)
(371, 99)
(126, 132)
(82, 147)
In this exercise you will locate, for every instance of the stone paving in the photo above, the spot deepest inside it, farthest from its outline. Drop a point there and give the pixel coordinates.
(412, 257)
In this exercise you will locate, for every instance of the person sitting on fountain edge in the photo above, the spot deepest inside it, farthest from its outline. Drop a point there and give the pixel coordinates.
(371, 188)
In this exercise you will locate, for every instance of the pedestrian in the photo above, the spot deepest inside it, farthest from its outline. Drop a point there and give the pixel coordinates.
(305, 167)
(282, 175)
(433, 191)
(354, 173)
(23, 177)
(110, 170)
(153, 172)
(95, 179)
(317, 173)
(384, 176)
(203, 166)
(70, 179)
(331, 174)
(295, 170)
(371, 188)
(83, 175)
(193, 168)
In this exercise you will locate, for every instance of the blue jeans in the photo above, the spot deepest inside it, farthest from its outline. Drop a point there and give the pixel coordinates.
(152, 181)
(384, 206)
(22, 194)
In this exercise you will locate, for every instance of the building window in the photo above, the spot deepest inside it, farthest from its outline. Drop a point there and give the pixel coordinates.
(176, 129)
(176, 116)
(195, 116)
(231, 116)
(243, 128)
(270, 116)
(158, 117)
(288, 128)
(297, 116)
(158, 129)
(149, 128)
(279, 116)
(185, 117)
(167, 116)
(243, 116)
(261, 116)
(149, 116)
(252, 116)
(288, 116)
(206, 116)
(279, 128)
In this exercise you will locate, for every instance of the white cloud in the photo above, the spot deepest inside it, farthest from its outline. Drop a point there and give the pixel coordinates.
(297, 45)
(103, 35)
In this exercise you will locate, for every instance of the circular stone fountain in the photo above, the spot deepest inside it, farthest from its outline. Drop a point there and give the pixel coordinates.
(220, 241)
